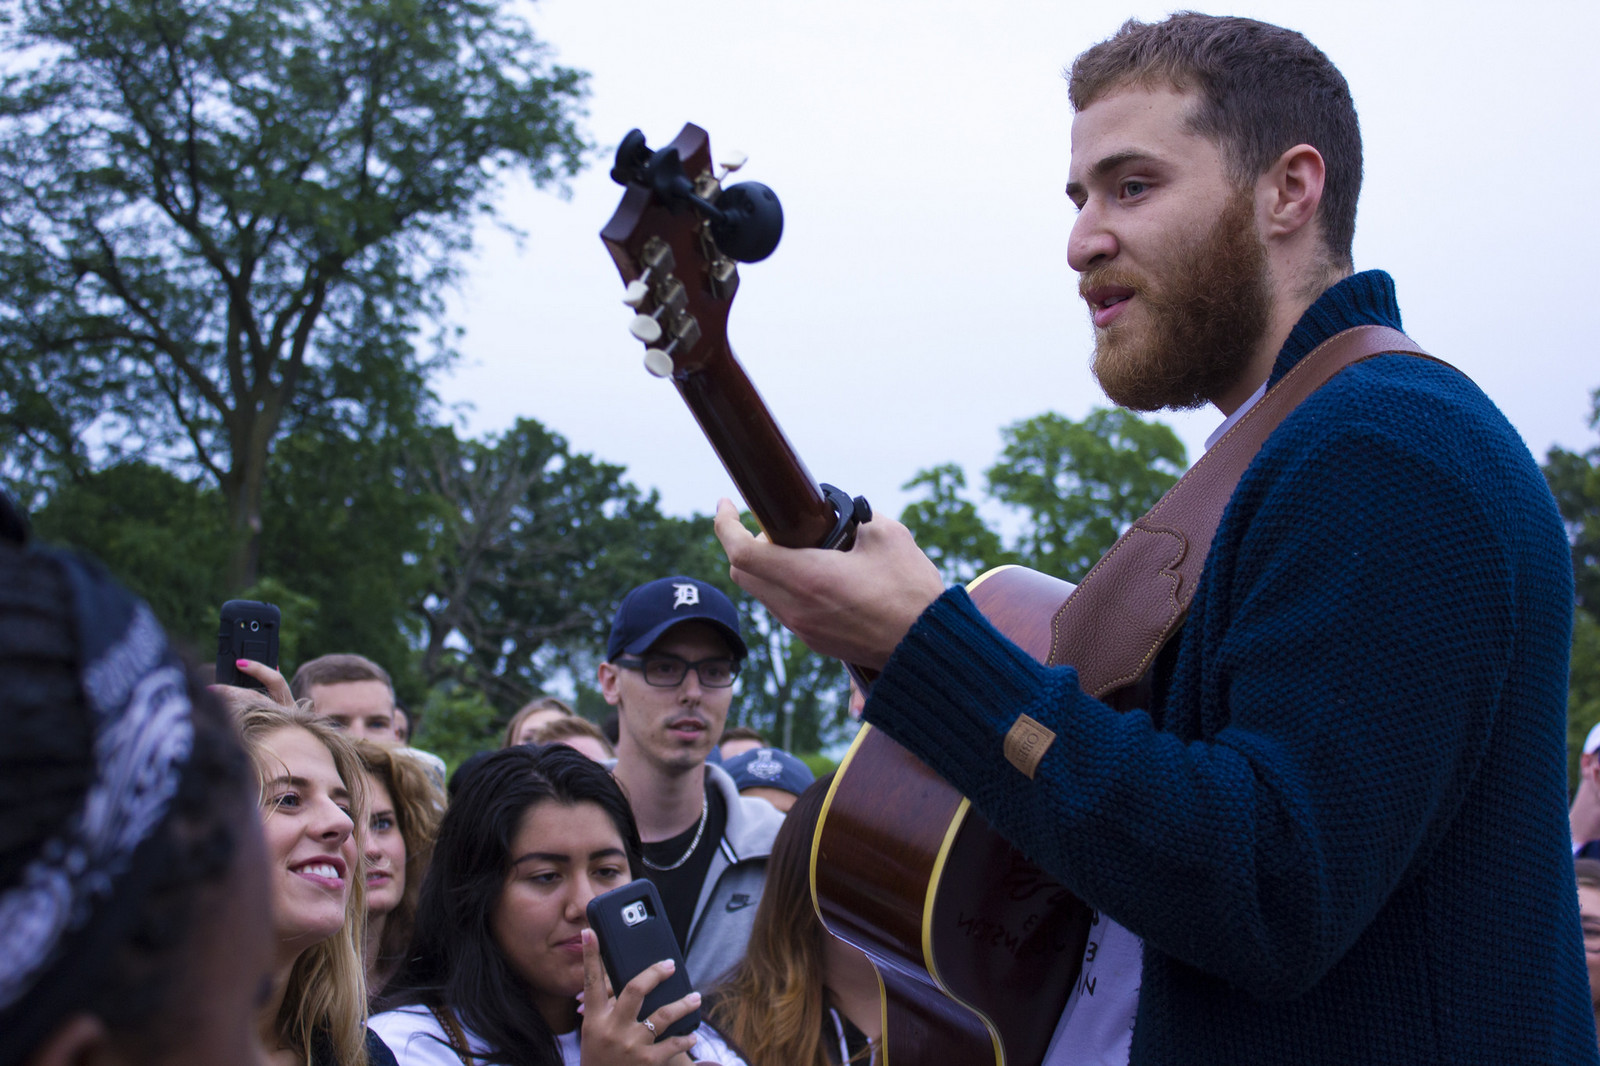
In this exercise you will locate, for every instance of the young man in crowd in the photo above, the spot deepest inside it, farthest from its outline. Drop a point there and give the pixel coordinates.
(670, 664)
(351, 691)
(738, 740)
(1337, 834)
(355, 693)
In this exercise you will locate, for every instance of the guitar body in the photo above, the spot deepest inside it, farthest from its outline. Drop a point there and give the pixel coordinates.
(977, 949)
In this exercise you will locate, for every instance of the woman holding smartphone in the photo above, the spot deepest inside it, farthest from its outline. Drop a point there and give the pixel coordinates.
(312, 798)
(502, 948)
(801, 996)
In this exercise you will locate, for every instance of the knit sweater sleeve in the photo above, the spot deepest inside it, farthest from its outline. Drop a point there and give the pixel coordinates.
(1337, 684)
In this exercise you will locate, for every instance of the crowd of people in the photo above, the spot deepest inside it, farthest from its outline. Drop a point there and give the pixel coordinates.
(291, 870)
(1328, 830)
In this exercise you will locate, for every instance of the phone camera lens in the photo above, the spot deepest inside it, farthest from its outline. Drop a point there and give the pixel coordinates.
(254, 625)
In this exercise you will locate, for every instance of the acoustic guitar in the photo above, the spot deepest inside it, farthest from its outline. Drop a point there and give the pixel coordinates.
(976, 949)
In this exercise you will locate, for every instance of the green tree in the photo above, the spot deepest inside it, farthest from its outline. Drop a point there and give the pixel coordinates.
(1574, 480)
(212, 213)
(530, 549)
(1079, 484)
(346, 529)
(794, 696)
(1074, 487)
(162, 536)
(948, 526)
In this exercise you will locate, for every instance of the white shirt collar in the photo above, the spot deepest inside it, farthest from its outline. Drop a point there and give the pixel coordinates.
(1227, 423)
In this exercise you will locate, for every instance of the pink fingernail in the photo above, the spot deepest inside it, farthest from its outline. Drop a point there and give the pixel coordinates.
(242, 663)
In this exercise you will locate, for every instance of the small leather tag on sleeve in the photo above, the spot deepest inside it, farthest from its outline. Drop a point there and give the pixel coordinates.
(1026, 743)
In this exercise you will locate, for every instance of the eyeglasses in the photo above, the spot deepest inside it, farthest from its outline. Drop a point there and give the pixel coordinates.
(668, 671)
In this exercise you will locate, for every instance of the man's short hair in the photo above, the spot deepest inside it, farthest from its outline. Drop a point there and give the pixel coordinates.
(334, 670)
(1262, 90)
(569, 728)
(743, 732)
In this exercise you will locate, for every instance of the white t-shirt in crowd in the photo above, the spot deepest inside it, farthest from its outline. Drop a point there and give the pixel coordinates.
(417, 1039)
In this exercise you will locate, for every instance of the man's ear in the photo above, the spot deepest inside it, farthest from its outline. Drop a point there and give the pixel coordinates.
(1290, 192)
(607, 674)
(81, 1040)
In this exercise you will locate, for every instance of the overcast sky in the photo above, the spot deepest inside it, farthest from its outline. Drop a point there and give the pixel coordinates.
(921, 297)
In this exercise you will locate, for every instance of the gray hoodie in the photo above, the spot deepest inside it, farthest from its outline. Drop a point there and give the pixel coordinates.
(726, 909)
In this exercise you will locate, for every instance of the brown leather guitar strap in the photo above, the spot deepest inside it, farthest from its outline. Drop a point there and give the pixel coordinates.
(1136, 596)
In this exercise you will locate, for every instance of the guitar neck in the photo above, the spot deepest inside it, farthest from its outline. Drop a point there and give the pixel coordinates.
(769, 474)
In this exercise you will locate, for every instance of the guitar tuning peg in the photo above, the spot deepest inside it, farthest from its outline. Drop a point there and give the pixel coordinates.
(735, 160)
(645, 328)
(636, 294)
(658, 362)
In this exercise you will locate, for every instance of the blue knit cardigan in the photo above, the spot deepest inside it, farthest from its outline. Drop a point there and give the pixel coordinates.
(1341, 832)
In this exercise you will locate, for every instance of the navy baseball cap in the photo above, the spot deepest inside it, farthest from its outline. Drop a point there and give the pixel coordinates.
(655, 607)
(769, 768)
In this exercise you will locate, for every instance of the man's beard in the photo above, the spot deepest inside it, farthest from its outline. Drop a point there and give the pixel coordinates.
(1205, 314)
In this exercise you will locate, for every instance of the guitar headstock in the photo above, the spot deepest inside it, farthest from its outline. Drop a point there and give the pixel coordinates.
(676, 238)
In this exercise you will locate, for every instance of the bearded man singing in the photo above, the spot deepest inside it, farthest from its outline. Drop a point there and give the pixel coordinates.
(1338, 835)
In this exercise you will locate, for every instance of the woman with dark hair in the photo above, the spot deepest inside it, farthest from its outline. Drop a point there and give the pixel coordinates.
(133, 905)
(800, 996)
(404, 808)
(502, 947)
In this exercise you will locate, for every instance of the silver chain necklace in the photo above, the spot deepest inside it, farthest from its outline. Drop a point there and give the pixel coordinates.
(705, 809)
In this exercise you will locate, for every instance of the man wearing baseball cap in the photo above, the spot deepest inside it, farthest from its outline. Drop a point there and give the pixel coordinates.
(670, 665)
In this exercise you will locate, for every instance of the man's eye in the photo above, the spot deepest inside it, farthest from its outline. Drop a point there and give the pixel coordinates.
(1134, 188)
(661, 669)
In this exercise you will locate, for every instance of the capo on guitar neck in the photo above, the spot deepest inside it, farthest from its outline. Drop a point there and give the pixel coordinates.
(850, 512)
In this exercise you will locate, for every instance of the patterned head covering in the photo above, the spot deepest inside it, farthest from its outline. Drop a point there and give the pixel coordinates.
(135, 690)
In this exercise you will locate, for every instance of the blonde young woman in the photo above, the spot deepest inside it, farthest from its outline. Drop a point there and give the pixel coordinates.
(538, 712)
(403, 811)
(312, 799)
(800, 996)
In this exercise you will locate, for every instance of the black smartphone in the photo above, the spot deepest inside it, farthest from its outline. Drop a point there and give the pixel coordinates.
(634, 934)
(248, 630)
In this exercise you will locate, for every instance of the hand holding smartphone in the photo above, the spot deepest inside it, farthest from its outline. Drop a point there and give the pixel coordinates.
(247, 630)
(634, 934)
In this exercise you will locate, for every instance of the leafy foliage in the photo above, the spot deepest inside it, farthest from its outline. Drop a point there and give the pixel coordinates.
(529, 549)
(211, 213)
(1575, 482)
(1081, 483)
(166, 538)
(949, 528)
(1075, 486)
(1583, 692)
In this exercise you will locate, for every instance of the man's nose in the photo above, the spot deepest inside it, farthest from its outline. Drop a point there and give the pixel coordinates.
(1091, 242)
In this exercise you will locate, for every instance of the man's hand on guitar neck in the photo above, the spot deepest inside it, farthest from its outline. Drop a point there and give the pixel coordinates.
(854, 605)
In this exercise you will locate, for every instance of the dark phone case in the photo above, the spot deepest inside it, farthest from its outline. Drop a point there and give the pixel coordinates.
(627, 950)
(237, 640)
